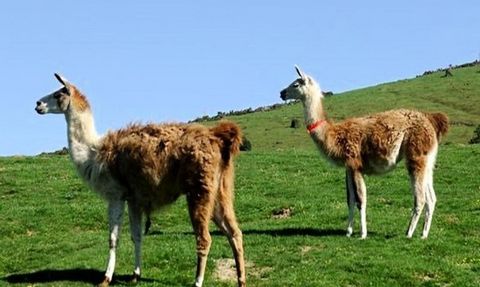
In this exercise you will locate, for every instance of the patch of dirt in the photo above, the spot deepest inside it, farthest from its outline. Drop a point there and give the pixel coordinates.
(259, 272)
(225, 270)
(384, 201)
(452, 219)
(282, 213)
(426, 277)
(305, 249)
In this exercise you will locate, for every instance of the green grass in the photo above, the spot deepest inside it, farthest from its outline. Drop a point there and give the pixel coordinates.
(54, 230)
(53, 224)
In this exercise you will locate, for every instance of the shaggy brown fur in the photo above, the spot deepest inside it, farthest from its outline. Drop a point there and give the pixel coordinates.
(145, 159)
(158, 163)
(373, 145)
(229, 141)
(365, 143)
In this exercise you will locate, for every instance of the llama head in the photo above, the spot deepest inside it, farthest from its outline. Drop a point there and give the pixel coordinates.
(302, 88)
(64, 99)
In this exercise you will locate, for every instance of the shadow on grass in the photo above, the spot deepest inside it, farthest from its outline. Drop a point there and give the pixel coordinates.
(294, 232)
(300, 232)
(289, 231)
(273, 232)
(91, 276)
(154, 233)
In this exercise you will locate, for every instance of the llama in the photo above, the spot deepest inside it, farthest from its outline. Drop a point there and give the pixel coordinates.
(150, 166)
(374, 145)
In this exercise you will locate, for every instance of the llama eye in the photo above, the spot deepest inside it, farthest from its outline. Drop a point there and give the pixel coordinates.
(296, 85)
(56, 96)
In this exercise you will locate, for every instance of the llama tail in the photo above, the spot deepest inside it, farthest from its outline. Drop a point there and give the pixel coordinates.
(439, 122)
(230, 137)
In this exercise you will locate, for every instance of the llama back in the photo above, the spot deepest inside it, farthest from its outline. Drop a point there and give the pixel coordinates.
(439, 122)
(141, 158)
(140, 143)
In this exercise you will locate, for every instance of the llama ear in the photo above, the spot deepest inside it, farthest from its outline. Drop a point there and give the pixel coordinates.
(299, 72)
(61, 79)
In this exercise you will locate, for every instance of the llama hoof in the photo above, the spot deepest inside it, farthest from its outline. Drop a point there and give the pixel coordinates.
(135, 279)
(349, 232)
(105, 282)
(424, 237)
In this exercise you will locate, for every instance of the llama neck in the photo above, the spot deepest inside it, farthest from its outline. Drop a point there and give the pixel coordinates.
(313, 112)
(313, 109)
(82, 138)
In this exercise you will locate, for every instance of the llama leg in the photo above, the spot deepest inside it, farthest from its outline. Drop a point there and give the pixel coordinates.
(361, 199)
(431, 200)
(115, 213)
(350, 187)
(200, 207)
(417, 178)
(135, 217)
(148, 223)
(224, 218)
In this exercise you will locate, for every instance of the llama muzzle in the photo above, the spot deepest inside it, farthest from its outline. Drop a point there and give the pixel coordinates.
(39, 108)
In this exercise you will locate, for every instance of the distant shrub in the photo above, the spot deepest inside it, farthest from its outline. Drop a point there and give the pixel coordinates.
(295, 124)
(246, 144)
(448, 69)
(221, 115)
(327, 94)
(63, 151)
(476, 136)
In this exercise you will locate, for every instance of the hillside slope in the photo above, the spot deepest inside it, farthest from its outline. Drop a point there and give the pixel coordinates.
(457, 96)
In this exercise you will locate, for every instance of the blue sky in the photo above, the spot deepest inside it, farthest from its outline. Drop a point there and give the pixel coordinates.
(178, 60)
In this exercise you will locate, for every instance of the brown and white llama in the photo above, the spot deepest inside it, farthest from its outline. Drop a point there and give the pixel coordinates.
(149, 166)
(374, 145)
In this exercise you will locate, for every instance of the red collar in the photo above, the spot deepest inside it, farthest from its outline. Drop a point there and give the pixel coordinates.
(313, 126)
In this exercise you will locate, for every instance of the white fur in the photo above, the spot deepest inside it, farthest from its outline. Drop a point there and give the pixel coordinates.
(431, 198)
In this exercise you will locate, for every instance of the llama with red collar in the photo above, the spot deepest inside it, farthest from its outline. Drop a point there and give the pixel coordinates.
(150, 166)
(374, 145)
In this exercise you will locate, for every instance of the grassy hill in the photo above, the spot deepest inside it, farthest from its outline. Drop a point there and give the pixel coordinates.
(289, 201)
